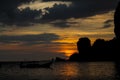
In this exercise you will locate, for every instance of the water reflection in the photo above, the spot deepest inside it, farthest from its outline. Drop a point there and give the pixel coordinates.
(68, 70)
(117, 67)
(62, 71)
(75, 71)
(101, 70)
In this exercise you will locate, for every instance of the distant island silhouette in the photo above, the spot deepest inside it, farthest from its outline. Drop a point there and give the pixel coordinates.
(101, 50)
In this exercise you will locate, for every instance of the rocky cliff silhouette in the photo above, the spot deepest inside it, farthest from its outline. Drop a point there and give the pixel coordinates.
(101, 50)
(117, 21)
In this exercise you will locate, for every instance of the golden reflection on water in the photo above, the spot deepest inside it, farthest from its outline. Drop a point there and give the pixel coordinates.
(86, 70)
(69, 70)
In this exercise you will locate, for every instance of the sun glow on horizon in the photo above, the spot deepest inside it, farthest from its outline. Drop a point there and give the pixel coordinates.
(68, 53)
(68, 49)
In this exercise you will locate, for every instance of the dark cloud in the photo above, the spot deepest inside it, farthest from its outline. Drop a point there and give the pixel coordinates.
(58, 11)
(79, 9)
(10, 5)
(23, 17)
(11, 15)
(29, 39)
(62, 23)
(108, 23)
(27, 15)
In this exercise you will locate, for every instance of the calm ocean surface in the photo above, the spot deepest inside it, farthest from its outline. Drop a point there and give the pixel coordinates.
(62, 71)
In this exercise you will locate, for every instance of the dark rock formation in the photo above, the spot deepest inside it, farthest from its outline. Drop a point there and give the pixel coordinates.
(75, 57)
(117, 21)
(83, 45)
(101, 50)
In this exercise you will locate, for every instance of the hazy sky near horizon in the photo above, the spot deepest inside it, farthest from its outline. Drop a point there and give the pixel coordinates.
(42, 29)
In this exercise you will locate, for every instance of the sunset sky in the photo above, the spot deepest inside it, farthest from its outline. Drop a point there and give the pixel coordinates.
(45, 29)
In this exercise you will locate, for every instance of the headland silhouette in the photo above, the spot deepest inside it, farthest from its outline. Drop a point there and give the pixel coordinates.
(101, 50)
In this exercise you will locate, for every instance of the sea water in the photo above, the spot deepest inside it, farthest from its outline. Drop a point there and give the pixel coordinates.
(61, 71)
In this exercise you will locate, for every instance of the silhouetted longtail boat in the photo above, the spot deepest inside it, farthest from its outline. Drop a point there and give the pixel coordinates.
(36, 65)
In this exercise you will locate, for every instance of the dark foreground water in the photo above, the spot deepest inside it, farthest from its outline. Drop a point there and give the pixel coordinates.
(62, 71)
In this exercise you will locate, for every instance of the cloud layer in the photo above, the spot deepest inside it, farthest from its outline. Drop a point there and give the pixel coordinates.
(80, 9)
(11, 15)
(30, 39)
